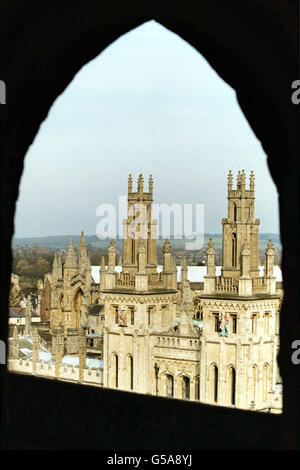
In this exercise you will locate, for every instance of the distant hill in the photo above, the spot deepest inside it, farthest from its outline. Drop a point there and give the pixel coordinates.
(62, 241)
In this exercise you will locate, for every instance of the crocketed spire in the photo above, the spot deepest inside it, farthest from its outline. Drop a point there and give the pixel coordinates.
(71, 260)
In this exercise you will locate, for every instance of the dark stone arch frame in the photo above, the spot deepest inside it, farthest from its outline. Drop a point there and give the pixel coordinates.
(251, 44)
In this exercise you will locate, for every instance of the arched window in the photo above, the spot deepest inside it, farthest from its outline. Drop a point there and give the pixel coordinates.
(233, 249)
(78, 302)
(234, 212)
(185, 388)
(131, 371)
(232, 381)
(116, 360)
(170, 385)
(215, 379)
(197, 388)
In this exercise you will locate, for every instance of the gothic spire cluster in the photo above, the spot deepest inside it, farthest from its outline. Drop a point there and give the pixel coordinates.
(240, 180)
(140, 184)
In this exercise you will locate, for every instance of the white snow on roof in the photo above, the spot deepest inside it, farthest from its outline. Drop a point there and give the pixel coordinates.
(195, 273)
(26, 351)
(45, 356)
(90, 362)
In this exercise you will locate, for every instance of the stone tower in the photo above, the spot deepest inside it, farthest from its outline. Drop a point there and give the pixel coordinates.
(139, 228)
(240, 228)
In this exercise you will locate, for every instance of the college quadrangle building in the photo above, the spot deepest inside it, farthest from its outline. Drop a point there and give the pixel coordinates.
(189, 332)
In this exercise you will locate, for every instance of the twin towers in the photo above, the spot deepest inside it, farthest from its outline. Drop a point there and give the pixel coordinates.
(240, 229)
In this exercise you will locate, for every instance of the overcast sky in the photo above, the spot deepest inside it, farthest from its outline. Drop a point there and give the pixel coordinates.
(149, 103)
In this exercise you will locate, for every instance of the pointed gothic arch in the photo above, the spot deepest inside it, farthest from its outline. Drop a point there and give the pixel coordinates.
(232, 385)
(130, 371)
(24, 133)
(169, 385)
(115, 370)
(214, 383)
(186, 387)
(233, 250)
(77, 307)
(234, 212)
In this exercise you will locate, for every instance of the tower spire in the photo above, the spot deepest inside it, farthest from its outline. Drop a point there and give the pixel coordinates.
(150, 184)
(184, 271)
(71, 261)
(229, 178)
(82, 253)
(243, 180)
(112, 256)
(140, 184)
(252, 181)
(210, 258)
(129, 184)
(82, 242)
(240, 225)
(238, 180)
(57, 267)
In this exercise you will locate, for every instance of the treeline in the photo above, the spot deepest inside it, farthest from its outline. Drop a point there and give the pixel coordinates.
(31, 263)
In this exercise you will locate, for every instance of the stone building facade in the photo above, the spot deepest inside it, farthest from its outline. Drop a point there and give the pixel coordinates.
(217, 343)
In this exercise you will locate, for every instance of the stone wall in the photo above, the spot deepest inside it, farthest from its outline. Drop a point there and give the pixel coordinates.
(91, 375)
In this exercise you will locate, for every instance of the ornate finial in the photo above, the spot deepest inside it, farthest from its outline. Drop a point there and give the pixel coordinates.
(102, 263)
(140, 183)
(210, 250)
(270, 250)
(129, 183)
(243, 179)
(167, 247)
(229, 178)
(252, 181)
(112, 246)
(82, 242)
(238, 180)
(150, 184)
(55, 261)
(71, 261)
